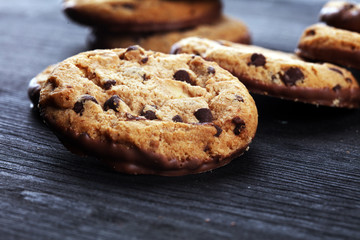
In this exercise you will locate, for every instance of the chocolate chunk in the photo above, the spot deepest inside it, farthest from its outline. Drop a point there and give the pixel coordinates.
(347, 6)
(273, 78)
(149, 115)
(292, 75)
(348, 80)
(336, 88)
(175, 49)
(206, 148)
(211, 70)
(204, 115)
(79, 105)
(218, 131)
(112, 103)
(239, 125)
(145, 60)
(182, 75)
(257, 60)
(310, 32)
(336, 70)
(177, 118)
(128, 6)
(132, 48)
(239, 98)
(108, 84)
(131, 117)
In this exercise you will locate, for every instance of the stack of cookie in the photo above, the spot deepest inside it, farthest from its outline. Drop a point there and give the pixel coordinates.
(337, 42)
(153, 24)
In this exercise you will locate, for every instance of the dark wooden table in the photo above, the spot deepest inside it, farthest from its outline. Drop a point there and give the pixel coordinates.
(300, 179)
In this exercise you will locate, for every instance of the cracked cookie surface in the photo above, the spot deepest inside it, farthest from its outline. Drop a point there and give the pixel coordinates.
(148, 113)
(279, 74)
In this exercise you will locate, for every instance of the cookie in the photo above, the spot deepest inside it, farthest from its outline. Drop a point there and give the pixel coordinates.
(143, 112)
(279, 74)
(142, 16)
(341, 14)
(225, 28)
(36, 84)
(323, 43)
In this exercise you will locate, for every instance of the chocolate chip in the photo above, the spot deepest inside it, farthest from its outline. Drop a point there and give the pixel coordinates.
(149, 115)
(175, 49)
(310, 32)
(133, 118)
(211, 70)
(182, 75)
(79, 105)
(348, 6)
(336, 88)
(218, 131)
(239, 98)
(273, 78)
(108, 84)
(239, 125)
(348, 80)
(336, 70)
(132, 48)
(145, 60)
(292, 75)
(112, 103)
(177, 118)
(258, 60)
(128, 6)
(204, 115)
(206, 148)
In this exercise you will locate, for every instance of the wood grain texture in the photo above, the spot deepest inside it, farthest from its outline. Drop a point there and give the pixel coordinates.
(299, 180)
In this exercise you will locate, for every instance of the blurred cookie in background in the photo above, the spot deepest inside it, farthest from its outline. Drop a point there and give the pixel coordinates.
(225, 28)
(142, 15)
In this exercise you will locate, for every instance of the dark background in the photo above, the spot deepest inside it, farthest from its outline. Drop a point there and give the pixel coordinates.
(300, 179)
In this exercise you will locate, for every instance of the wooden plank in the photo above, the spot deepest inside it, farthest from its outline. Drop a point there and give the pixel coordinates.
(300, 179)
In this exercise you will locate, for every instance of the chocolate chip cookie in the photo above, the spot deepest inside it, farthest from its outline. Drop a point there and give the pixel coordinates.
(279, 74)
(36, 84)
(225, 28)
(341, 14)
(143, 112)
(142, 16)
(323, 43)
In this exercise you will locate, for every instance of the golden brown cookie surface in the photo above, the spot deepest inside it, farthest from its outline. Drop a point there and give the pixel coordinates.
(149, 113)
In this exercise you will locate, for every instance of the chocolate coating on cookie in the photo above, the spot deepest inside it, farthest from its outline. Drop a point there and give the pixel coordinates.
(341, 14)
